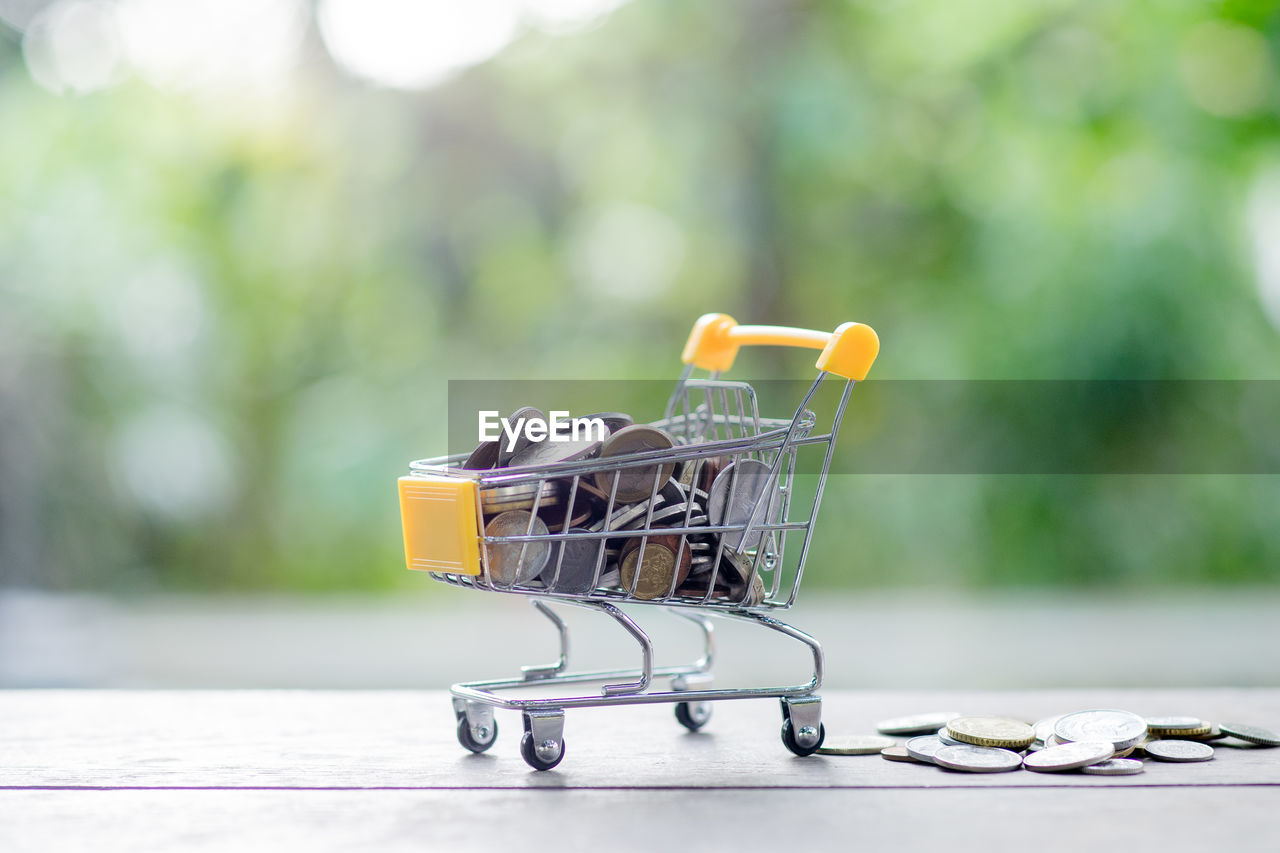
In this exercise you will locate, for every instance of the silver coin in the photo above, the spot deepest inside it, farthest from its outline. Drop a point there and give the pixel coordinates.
(732, 499)
(1122, 729)
(635, 482)
(736, 568)
(587, 507)
(946, 738)
(520, 496)
(1069, 756)
(522, 441)
(977, 759)
(916, 724)
(672, 493)
(1253, 734)
(515, 562)
(484, 457)
(855, 745)
(577, 569)
(1179, 750)
(669, 516)
(1175, 723)
(1114, 767)
(1044, 728)
(613, 421)
(924, 747)
(748, 595)
(623, 516)
(551, 452)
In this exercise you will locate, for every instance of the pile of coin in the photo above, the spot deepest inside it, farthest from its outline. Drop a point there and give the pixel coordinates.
(1097, 742)
(640, 503)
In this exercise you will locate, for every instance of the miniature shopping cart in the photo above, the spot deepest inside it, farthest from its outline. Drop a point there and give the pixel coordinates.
(720, 527)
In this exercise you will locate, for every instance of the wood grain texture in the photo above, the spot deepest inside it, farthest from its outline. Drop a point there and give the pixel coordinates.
(406, 740)
(961, 820)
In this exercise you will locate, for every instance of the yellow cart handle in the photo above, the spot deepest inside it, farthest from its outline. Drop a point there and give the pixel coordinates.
(848, 351)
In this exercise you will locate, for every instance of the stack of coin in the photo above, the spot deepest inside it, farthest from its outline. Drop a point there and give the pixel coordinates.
(635, 504)
(1094, 742)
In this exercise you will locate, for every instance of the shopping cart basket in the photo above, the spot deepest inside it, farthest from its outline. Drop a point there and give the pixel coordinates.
(705, 534)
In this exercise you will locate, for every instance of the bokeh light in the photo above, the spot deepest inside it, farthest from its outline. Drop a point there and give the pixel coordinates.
(1264, 237)
(212, 44)
(414, 43)
(73, 47)
(566, 16)
(626, 252)
(1227, 68)
(173, 463)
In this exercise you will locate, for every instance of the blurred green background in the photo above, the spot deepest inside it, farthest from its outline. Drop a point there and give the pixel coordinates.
(244, 246)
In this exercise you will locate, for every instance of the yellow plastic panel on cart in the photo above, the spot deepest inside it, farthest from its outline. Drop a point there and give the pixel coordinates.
(441, 520)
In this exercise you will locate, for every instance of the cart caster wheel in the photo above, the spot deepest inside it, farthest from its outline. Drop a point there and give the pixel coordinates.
(468, 738)
(693, 715)
(548, 755)
(790, 742)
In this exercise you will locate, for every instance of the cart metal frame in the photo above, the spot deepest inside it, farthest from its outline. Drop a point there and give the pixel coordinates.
(713, 419)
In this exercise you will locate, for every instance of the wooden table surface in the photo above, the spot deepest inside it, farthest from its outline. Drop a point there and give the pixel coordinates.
(132, 770)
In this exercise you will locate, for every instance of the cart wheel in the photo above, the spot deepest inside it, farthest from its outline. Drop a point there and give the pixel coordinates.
(542, 761)
(789, 739)
(467, 738)
(693, 715)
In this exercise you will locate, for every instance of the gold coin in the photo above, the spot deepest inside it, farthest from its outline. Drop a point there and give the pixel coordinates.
(1214, 733)
(1000, 732)
(656, 573)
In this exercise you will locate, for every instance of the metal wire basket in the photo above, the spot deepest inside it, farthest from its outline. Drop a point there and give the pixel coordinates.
(702, 527)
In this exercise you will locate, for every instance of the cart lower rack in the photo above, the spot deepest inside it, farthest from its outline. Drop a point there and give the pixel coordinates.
(692, 513)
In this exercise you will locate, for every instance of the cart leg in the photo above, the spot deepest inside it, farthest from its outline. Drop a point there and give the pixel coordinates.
(694, 715)
(536, 673)
(542, 746)
(703, 664)
(477, 729)
(815, 648)
(802, 728)
(646, 651)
